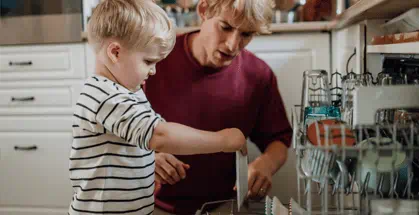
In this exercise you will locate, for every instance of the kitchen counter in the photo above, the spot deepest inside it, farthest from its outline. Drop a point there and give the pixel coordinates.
(275, 28)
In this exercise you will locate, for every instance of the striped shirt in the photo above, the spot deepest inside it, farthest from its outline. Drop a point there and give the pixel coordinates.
(111, 165)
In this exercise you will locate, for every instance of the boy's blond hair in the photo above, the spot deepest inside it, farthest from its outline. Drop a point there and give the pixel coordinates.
(135, 23)
(256, 14)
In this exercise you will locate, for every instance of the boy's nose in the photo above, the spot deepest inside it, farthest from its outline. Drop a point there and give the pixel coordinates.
(151, 72)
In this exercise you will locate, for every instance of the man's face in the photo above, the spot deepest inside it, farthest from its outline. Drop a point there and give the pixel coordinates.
(224, 39)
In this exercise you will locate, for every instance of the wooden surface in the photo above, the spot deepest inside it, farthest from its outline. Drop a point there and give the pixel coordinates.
(373, 9)
(362, 10)
(275, 28)
(405, 48)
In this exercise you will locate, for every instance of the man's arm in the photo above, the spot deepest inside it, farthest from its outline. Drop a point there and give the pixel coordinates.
(275, 156)
(264, 167)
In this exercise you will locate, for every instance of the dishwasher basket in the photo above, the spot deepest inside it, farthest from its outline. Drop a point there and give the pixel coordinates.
(378, 174)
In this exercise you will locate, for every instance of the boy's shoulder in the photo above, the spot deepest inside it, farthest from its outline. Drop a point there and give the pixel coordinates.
(101, 86)
(96, 93)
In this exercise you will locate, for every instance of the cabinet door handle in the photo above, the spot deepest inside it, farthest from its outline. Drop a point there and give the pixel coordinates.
(26, 148)
(22, 63)
(23, 99)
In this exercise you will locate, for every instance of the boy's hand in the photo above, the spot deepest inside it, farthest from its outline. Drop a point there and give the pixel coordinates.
(169, 170)
(234, 140)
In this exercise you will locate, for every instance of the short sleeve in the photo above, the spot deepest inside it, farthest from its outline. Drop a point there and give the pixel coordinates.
(272, 123)
(128, 118)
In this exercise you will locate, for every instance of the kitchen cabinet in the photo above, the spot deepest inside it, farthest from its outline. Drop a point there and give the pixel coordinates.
(42, 62)
(33, 169)
(345, 43)
(289, 55)
(39, 85)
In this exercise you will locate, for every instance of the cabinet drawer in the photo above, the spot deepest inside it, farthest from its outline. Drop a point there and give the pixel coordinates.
(33, 211)
(36, 123)
(38, 98)
(34, 169)
(42, 62)
(47, 97)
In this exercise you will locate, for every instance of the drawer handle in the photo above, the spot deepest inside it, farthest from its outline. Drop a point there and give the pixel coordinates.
(24, 99)
(23, 63)
(26, 148)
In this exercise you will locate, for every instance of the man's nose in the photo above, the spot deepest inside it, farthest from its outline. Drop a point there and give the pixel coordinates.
(233, 42)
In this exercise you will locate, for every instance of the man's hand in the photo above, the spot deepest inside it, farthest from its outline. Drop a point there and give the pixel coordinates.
(169, 169)
(259, 178)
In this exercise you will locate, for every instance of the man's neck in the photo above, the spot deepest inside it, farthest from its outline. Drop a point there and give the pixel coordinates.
(197, 49)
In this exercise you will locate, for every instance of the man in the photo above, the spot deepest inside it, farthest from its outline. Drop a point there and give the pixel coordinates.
(210, 82)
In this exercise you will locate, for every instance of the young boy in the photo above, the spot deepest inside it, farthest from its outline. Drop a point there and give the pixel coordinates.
(115, 128)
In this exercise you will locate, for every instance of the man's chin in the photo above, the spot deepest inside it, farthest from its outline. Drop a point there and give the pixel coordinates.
(222, 63)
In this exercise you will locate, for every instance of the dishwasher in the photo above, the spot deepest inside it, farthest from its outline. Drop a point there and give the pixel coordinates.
(356, 140)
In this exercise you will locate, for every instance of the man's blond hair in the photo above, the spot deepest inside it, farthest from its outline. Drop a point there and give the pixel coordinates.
(135, 23)
(255, 14)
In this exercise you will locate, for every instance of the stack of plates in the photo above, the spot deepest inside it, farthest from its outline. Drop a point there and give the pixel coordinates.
(274, 207)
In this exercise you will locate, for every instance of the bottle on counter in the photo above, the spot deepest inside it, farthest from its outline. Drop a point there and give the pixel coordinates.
(171, 15)
(180, 19)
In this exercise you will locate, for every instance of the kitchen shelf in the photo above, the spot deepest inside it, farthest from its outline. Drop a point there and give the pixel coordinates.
(301, 27)
(399, 48)
(373, 9)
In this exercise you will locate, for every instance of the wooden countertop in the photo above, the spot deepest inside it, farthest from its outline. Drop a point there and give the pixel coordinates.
(275, 28)
(363, 10)
(373, 9)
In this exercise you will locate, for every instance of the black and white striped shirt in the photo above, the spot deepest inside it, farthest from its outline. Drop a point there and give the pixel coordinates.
(111, 165)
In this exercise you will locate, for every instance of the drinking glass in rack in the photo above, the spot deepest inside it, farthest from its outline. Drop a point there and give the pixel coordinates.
(316, 91)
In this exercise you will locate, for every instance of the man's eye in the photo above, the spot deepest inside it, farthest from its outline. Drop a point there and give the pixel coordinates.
(247, 34)
(226, 27)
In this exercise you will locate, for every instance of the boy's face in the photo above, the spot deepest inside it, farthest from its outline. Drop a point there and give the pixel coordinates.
(224, 39)
(136, 66)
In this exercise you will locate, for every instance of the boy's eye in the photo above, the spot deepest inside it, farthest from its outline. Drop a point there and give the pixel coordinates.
(149, 62)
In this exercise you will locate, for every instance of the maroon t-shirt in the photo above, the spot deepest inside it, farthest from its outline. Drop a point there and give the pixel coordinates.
(243, 95)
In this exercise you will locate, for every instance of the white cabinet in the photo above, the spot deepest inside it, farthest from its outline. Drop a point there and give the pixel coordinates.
(39, 86)
(289, 55)
(42, 62)
(33, 169)
(36, 97)
(346, 42)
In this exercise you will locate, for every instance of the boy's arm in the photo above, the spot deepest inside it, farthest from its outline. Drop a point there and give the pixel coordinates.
(136, 123)
(178, 139)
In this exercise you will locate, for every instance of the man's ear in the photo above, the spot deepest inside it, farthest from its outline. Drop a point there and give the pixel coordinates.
(113, 51)
(201, 9)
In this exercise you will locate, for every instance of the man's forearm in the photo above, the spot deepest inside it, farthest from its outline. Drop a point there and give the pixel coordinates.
(275, 155)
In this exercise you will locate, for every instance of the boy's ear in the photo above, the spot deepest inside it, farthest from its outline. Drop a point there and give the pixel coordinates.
(113, 51)
(201, 9)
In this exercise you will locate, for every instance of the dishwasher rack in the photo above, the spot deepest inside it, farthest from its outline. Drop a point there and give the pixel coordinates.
(252, 208)
(326, 188)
